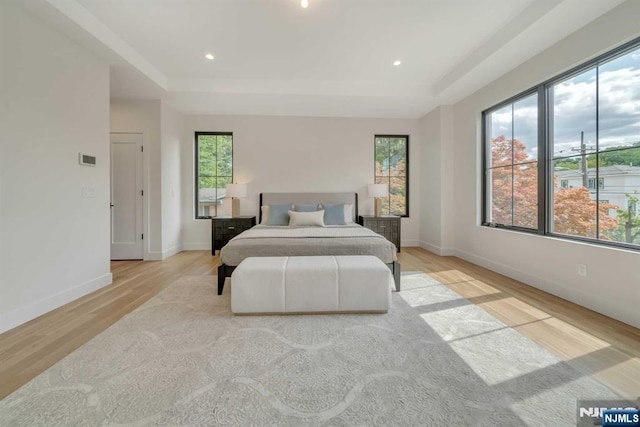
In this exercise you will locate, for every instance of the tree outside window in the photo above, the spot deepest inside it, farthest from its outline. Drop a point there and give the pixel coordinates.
(214, 170)
(391, 168)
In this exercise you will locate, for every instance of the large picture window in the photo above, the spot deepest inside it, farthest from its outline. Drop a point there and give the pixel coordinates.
(392, 169)
(512, 172)
(214, 170)
(579, 136)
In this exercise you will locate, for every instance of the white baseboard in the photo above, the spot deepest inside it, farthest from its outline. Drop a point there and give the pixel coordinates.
(171, 251)
(196, 246)
(436, 249)
(153, 256)
(29, 312)
(626, 314)
(159, 256)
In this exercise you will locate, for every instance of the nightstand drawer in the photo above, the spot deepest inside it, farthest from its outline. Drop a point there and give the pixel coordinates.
(224, 229)
(387, 226)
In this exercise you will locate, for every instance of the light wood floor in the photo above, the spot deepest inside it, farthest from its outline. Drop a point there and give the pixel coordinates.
(605, 349)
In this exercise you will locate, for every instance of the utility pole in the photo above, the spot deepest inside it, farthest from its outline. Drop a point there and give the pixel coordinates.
(584, 166)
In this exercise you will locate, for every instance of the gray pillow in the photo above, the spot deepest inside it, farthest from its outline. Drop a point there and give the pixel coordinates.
(334, 214)
(279, 214)
(311, 207)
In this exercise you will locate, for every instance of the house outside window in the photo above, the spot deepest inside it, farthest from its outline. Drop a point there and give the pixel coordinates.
(213, 171)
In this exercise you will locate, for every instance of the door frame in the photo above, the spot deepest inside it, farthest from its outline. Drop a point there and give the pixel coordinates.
(145, 189)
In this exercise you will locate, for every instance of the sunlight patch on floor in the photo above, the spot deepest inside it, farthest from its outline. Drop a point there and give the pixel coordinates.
(451, 276)
(461, 322)
(473, 288)
(501, 355)
(563, 339)
(513, 312)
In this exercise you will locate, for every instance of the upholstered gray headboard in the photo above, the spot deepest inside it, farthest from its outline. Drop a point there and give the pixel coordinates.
(329, 198)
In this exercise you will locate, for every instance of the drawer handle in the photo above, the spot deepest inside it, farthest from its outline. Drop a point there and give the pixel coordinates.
(383, 226)
(232, 228)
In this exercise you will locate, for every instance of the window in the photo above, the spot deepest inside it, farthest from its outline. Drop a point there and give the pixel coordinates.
(592, 183)
(392, 168)
(214, 170)
(511, 157)
(548, 152)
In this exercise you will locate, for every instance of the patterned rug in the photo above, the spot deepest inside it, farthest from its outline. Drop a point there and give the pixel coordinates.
(183, 359)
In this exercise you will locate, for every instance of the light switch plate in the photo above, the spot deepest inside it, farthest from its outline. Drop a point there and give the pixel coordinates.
(88, 192)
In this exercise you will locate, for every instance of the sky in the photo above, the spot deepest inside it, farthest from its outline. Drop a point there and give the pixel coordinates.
(611, 92)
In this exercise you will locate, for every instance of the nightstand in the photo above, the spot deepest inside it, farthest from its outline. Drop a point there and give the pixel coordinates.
(224, 228)
(388, 226)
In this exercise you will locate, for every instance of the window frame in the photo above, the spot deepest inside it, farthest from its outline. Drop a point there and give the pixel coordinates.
(197, 168)
(545, 151)
(406, 173)
(541, 160)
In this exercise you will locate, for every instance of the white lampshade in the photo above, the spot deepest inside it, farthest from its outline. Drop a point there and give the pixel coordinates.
(378, 190)
(237, 190)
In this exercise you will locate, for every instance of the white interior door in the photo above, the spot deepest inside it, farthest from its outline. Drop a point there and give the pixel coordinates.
(126, 196)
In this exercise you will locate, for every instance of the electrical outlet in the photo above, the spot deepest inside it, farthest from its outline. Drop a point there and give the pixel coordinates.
(582, 270)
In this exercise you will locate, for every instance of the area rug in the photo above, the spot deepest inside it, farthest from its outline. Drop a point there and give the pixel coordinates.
(182, 358)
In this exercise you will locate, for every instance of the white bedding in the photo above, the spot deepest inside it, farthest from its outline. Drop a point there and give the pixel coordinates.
(265, 231)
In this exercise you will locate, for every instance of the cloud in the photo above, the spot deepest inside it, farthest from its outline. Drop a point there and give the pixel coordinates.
(617, 98)
(610, 106)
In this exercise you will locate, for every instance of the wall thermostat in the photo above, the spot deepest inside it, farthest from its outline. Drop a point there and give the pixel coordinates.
(86, 160)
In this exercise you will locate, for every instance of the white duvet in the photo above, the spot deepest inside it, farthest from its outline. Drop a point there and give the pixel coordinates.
(264, 232)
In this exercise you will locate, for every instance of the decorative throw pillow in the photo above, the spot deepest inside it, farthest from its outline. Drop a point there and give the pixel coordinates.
(306, 219)
(348, 213)
(279, 214)
(334, 214)
(265, 214)
(302, 207)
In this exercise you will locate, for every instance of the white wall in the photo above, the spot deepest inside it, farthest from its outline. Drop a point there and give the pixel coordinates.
(430, 177)
(54, 244)
(285, 154)
(613, 283)
(171, 133)
(436, 176)
(144, 116)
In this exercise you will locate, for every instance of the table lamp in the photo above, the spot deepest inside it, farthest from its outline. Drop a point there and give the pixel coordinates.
(378, 191)
(235, 191)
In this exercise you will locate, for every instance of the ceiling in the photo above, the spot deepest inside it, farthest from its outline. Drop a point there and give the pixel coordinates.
(334, 58)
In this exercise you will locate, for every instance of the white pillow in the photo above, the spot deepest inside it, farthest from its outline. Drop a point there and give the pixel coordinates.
(265, 214)
(306, 219)
(348, 213)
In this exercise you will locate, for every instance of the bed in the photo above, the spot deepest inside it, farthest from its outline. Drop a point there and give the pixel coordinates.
(264, 240)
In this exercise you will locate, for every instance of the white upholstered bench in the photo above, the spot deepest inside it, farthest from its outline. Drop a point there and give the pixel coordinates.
(311, 284)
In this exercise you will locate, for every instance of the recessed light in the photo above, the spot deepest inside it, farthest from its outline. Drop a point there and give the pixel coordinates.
(209, 56)
(397, 62)
(304, 3)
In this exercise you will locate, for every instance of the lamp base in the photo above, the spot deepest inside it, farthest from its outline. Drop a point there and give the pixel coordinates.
(377, 206)
(235, 207)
